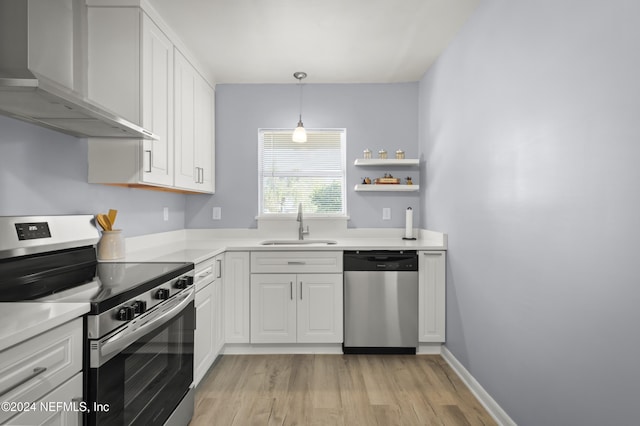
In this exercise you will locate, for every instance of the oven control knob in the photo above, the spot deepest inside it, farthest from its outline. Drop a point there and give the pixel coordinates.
(139, 306)
(162, 294)
(125, 313)
(184, 282)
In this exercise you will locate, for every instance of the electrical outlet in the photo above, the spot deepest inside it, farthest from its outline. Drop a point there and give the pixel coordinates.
(386, 213)
(217, 213)
(165, 213)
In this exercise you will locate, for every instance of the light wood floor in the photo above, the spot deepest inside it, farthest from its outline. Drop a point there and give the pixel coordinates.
(344, 390)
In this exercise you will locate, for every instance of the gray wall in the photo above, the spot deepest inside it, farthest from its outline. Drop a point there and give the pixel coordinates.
(375, 115)
(529, 125)
(43, 172)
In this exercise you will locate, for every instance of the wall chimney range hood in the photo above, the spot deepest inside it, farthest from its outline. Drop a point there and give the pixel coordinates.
(43, 71)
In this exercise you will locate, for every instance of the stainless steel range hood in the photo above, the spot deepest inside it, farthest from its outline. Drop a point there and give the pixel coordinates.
(45, 38)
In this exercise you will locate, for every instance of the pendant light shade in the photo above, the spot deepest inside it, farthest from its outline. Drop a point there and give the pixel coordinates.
(300, 134)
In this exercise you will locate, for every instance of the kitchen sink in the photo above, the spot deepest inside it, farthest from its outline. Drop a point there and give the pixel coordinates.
(296, 242)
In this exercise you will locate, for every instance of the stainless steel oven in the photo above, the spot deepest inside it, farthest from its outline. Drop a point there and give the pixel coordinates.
(142, 373)
(138, 357)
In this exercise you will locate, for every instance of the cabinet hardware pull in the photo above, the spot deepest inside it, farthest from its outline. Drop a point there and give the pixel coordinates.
(36, 372)
(432, 254)
(300, 290)
(219, 262)
(292, 262)
(149, 152)
(204, 274)
(291, 288)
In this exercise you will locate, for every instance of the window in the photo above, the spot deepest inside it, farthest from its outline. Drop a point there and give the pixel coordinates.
(311, 173)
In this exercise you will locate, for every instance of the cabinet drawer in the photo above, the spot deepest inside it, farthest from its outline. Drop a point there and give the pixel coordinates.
(69, 414)
(203, 277)
(33, 368)
(296, 261)
(206, 272)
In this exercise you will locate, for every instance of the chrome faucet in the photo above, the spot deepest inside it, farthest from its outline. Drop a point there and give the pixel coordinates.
(301, 231)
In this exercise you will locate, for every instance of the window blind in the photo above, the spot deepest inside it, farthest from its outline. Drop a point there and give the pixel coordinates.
(311, 173)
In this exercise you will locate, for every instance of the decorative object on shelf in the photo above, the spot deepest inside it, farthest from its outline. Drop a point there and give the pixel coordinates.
(408, 225)
(366, 181)
(409, 181)
(387, 180)
(382, 154)
(300, 134)
(366, 154)
(399, 154)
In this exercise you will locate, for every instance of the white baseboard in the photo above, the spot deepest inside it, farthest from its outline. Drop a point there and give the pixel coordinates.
(270, 349)
(498, 414)
(429, 349)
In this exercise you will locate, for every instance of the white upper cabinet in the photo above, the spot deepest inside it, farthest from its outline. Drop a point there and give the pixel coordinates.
(194, 128)
(130, 72)
(137, 71)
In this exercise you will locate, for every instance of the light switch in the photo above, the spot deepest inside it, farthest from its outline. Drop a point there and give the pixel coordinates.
(165, 213)
(386, 213)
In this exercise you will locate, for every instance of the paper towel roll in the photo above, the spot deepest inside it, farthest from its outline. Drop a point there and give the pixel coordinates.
(408, 224)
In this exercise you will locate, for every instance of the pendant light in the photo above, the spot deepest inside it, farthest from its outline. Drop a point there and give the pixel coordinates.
(300, 134)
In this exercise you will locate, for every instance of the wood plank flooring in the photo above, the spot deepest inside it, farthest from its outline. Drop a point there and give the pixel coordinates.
(345, 390)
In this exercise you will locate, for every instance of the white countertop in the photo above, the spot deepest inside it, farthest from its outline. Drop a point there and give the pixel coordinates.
(20, 321)
(199, 245)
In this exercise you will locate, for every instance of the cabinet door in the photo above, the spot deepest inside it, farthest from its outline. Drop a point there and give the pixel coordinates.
(320, 311)
(218, 318)
(204, 333)
(194, 118)
(157, 103)
(69, 393)
(273, 308)
(186, 175)
(205, 135)
(236, 297)
(218, 306)
(431, 296)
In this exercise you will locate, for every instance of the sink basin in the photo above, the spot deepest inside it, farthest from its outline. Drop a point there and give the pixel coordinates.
(295, 242)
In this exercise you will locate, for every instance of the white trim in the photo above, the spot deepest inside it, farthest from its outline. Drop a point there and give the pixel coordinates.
(490, 404)
(429, 349)
(268, 349)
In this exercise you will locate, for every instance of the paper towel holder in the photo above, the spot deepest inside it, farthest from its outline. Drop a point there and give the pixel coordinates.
(409, 226)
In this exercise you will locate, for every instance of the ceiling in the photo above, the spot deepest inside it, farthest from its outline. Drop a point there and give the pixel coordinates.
(334, 41)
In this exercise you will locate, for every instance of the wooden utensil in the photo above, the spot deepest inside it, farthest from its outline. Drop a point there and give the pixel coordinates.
(103, 221)
(112, 216)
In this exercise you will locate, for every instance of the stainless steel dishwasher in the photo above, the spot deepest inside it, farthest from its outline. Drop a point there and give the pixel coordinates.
(380, 302)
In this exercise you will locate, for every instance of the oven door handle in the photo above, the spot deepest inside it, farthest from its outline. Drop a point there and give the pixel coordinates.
(132, 333)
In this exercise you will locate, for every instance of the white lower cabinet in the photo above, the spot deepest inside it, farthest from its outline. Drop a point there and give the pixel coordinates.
(236, 296)
(45, 368)
(218, 315)
(296, 308)
(209, 333)
(203, 337)
(59, 408)
(431, 296)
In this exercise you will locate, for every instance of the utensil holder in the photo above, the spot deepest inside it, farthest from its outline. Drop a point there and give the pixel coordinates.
(111, 245)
